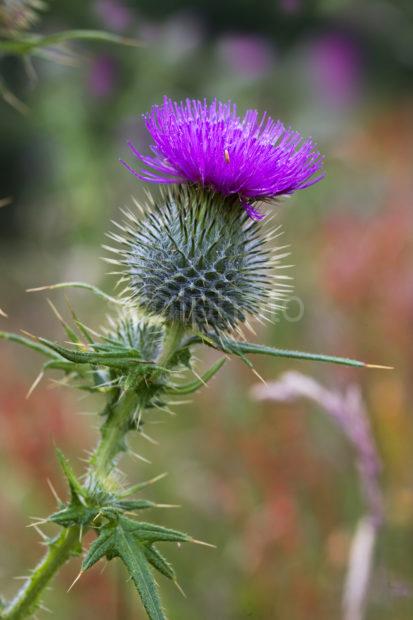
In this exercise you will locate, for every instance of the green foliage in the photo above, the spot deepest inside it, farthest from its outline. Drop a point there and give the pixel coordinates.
(132, 542)
(240, 349)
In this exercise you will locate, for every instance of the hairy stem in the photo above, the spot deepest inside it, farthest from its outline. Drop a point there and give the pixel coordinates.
(112, 442)
(59, 551)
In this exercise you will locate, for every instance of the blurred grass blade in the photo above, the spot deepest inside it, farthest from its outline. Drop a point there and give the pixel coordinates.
(30, 43)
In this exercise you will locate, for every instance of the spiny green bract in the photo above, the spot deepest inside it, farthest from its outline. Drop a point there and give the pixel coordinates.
(132, 331)
(195, 258)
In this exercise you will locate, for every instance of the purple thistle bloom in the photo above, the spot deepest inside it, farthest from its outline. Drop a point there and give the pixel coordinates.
(256, 158)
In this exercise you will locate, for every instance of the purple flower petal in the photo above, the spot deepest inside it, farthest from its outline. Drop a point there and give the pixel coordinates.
(254, 157)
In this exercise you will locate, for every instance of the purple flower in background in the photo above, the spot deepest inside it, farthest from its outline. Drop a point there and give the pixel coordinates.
(247, 55)
(253, 157)
(335, 65)
(114, 14)
(102, 76)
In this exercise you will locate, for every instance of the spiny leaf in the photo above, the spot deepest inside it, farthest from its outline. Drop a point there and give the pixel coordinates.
(71, 334)
(135, 504)
(156, 559)
(126, 358)
(189, 388)
(242, 348)
(74, 514)
(117, 541)
(31, 344)
(76, 489)
(135, 561)
(150, 532)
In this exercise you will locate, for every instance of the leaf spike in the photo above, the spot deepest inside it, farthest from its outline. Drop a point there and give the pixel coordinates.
(379, 367)
(139, 457)
(141, 485)
(53, 490)
(2, 313)
(179, 588)
(35, 384)
(76, 580)
(69, 331)
(201, 542)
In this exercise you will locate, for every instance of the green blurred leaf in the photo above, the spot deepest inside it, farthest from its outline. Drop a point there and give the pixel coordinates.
(29, 43)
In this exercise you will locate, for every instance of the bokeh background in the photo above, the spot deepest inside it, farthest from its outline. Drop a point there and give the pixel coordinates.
(273, 486)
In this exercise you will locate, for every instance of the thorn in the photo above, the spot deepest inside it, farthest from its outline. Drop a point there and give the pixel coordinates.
(259, 376)
(26, 333)
(168, 506)
(139, 457)
(44, 608)
(150, 439)
(53, 490)
(201, 542)
(35, 384)
(180, 589)
(37, 523)
(42, 534)
(379, 366)
(142, 485)
(76, 580)
(22, 577)
(2, 313)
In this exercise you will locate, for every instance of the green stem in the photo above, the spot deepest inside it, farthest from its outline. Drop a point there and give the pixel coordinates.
(26, 600)
(103, 461)
(113, 434)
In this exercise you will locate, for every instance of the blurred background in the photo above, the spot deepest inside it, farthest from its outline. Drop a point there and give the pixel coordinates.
(274, 486)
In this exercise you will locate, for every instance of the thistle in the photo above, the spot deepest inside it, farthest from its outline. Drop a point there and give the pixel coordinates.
(252, 158)
(196, 259)
(196, 265)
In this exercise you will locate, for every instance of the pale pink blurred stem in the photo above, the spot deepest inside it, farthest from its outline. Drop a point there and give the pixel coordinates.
(348, 411)
(359, 569)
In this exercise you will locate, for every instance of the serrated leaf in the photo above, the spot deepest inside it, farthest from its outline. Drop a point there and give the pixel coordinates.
(245, 348)
(135, 504)
(122, 359)
(133, 556)
(116, 540)
(156, 559)
(150, 532)
(74, 514)
(104, 545)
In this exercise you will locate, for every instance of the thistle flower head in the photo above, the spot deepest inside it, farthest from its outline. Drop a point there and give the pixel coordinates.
(251, 157)
(197, 259)
(129, 330)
